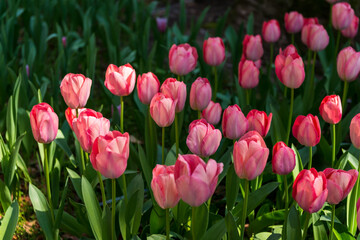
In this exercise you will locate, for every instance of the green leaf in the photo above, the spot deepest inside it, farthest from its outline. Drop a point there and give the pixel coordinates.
(106, 223)
(201, 220)
(135, 204)
(231, 226)
(156, 237)
(5, 196)
(9, 222)
(60, 140)
(146, 169)
(10, 121)
(216, 231)
(71, 225)
(59, 214)
(250, 24)
(318, 228)
(232, 187)
(293, 229)
(157, 219)
(267, 219)
(298, 166)
(76, 181)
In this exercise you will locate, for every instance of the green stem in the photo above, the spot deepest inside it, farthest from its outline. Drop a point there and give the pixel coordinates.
(312, 78)
(176, 134)
(332, 222)
(102, 189)
(82, 160)
(285, 91)
(113, 184)
(337, 44)
(247, 92)
(124, 187)
(293, 39)
(308, 61)
(310, 157)
(271, 60)
(290, 116)
(122, 114)
(216, 83)
(244, 213)
(199, 114)
(192, 222)
(167, 224)
(308, 215)
(334, 145)
(286, 205)
(47, 179)
(345, 91)
(163, 146)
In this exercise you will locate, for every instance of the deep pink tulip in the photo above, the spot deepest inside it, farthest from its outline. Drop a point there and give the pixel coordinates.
(283, 159)
(212, 113)
(44, 123)
(147, 86)
(196, 180)
(331, 109)
(200, 94)
(214, 51)
(176, 90)
(182, 59)
(271, 31)
(70, 115)
(306, 130)
(203, 139)
(75, 89)
(294, 22)
(248, 74)
(352, 30)
(88, 126)
(234, 123)
(342, 15)
(120, 80)
(310, 190)
(313, 20)
(355, 131)
(164, 187)
(339, 183)
(259, 121)
(315, 37)
(348, 64)
(250, 155)
(252, 47)
(161, 23)
(162, 110)
(110, 153)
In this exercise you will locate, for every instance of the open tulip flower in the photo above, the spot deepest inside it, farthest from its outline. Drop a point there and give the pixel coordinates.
(283, 159)
(44, 123)
(234, 123)
(70, 115)
(212, 113)
(162, 110)
(214, 51)
(120, 80)
(175, 90)
(200, 94)
(271, 31)
(352, 29)
(182, 59)
(306, 130)
(75, 89)
(294, 22)
(147, 86)
(248, 74)
(348, 64)
(355, 131)
(259, 121)
(330, 109)
(315, 37)
(252, 47)
(342, 15)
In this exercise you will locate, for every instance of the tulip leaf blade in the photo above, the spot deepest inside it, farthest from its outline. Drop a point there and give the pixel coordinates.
(9, 221)
(266, 220)
(231, 226)
(5, 196)
(232, 187)
(293, 230)
(10, 165)
(76, 181)
(216, 231)
(318, 228)
(200, 221)
(135, 203)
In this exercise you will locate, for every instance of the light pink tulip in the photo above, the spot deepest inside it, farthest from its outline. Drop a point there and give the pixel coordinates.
(271, 31)
(252, 47)
(306, 130)
(214, 51)
(283, 159)
(348, 64)
(200, 94)
(147, 86)
(70, 115)
(352, 30)
(212, 113)
(182, 59)
(331, 109)
(44, 123)
(196, 180)
(315, 37)
(248, 74)
(259, 121)
(355, 131)
(294, 22)
(162, 110)
(176, 90)
(75, 89)
(234, 123)
(161, 23)
(120, 80)
(342, 15)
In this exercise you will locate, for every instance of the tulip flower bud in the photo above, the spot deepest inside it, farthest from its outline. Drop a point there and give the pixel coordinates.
(234, 123)
(63, 40)
(271, 31)
(259, 121)
(161, 24)
(283, 159)
(147, 86)
(331, 109)
(70, 115)
(214, 51)
(310, 190)
(352, 30)
(250, 155)
(248, 74)
(339, 184)
(75, 89)
(294, 22)
(120, 80)
(342, 15)
(307, 130)
(200, 94)
(315, 37)
(162, 110)
(27, 68)
(252, 47)
(110, 154)
(355, 131)
(313, 20)
(175, 90)
(196, 180)
(182, 59)
(212, 113)
(348, 64)
(44, 123)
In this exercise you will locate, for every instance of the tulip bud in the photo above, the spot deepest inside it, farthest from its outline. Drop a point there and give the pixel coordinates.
(342, 15)
(271, 31)
(259, 121)
(355, 131)
(348, 64)
(283, 159)
(212, 113)
(310, 190)
(331, 109)
(27, 70)
(315, 37)
(63, 40)
(175, 90)
(234, 123)
(294, 22)
(147, 86)
(252, 47)
(214, 51)
(120, 80)
(161, 24)
(200, 94)
(182, 59)
(248, 74)
(44, 123)
(162, 110)
(70, 115)
(352, 30)
(75, 89)
(307, 130)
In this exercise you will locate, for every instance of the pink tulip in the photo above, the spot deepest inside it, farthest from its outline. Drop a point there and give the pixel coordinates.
(331, 109)
(248, 74)
(196, 180)
(271, 31)
(212, 113)
(294, 22)
(315, 37)
(313, 20)
(203, 139)
(283, 159)
(88, 126)
(348, 64)
(70, 115)
(175, 90)
(110, 154)
(44, 123)
(147, 86)
(250, 155)
(339, 184)
(182, 59)
(259, 121)
(120, 80)
(289, 67)
(355, 131)
(234, 123)
(252, 47)
(342, 15)
(162, 110)
(161, 23)
(200, 94)
(164, 187)
(63, 40)
(75, 89)
(352, 30)
(214, 51)
(310, 190)
(307, 130)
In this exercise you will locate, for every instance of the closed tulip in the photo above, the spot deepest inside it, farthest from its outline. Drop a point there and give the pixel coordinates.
(70, 115)
(110, 153)
(182, 59)
(147, 86)
(234, 123)
(315, 37)
(120, 80)
(200, 94)
(283, 159)
(306, 130)
(164, 187)
(331, 109)
(196, 180)
(294, 22)
(44, 123)
(252, 47)
(341, 15)
(75, 89)
(310, 190)
(271, 31)
(352, 29)
(176, 90)
(348, 64)
(214, 51)
(88, 126)
(355, 131)
(259, 121)
(212, 113)
(248, 74)
(250, 155)
(161, 23)
(203, 139)
(162, 110)
(339, 184)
